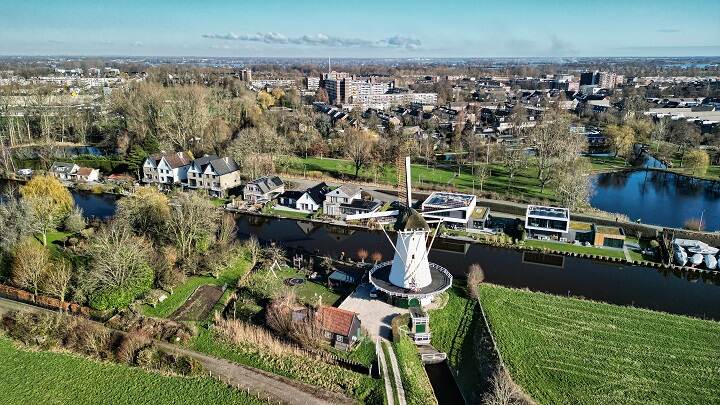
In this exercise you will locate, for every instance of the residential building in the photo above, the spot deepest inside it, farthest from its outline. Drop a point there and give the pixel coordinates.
(272, 83)
(313, 83)
(341, 195)
(544, 222)
(246, 75)
(359, 206)
(214, 174)
(87, 174)
(263, 189)
(167, 169)
(608, 236)
(63, 171)
(340, 327)
(454, 209)
(73, 172)
(308, 201)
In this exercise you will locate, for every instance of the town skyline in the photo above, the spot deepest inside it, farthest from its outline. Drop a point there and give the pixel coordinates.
(362, 30)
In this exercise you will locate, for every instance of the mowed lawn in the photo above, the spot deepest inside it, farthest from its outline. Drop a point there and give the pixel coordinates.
(29, 377)
(525, 183)
(572, 248)
(570, 351)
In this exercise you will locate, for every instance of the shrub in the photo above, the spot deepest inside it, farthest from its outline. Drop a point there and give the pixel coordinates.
(131, 344)
(74, 222)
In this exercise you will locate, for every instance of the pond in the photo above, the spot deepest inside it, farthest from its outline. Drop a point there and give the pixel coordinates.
(93, 205)
(658, 197)
(613, 283)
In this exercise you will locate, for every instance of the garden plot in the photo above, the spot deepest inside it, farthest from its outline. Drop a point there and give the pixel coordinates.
(199, 305)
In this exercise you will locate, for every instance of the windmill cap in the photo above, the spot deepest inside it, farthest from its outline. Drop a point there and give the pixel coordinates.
(410, 219)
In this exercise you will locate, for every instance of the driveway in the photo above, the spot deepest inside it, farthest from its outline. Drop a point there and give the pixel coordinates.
(376, 315)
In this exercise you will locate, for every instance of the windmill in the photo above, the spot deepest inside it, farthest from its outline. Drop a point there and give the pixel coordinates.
(409, 275)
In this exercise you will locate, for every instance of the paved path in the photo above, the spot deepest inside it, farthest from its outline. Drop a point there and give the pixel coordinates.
(376, 315)
(267, 385)
(396, 372)
(386, 375)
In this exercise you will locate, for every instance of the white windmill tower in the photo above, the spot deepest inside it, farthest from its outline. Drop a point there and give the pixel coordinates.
(410, 275)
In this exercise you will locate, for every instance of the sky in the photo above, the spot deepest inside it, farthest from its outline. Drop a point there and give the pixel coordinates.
(369, 28)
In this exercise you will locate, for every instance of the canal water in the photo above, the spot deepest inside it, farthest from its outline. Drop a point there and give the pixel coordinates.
(651, 288)
(609, 282)
(658, 197)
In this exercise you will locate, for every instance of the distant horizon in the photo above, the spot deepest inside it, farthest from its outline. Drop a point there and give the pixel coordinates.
(106, 56)
(361, 29)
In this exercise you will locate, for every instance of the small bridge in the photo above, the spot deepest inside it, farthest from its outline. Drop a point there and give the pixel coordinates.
(430, 355)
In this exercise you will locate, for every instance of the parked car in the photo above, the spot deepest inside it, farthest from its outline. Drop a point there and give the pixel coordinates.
(25, 172)
(374, 292)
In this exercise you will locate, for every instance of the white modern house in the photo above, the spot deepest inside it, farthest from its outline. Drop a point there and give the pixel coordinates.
(544, 222)
(167, 168)
(455, 209)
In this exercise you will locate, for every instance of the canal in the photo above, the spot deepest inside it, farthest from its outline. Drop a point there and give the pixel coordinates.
(662, 290)
(638, 286)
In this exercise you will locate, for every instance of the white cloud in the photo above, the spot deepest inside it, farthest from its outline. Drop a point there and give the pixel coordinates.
(320, 40)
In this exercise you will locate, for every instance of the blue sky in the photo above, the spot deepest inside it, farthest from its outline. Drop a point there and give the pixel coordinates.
(361, 28)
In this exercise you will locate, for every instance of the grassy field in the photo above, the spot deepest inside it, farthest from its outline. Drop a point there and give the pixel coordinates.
(52, 378)
(571, 248)
(416, 383)
(608, 163)
(525, 183)
(185, 290)
(568, 351)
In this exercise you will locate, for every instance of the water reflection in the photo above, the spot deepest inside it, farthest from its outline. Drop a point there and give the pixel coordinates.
(658, 197)
(620, 284)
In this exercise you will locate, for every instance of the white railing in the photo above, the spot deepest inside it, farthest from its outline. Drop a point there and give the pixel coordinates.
(435, 266)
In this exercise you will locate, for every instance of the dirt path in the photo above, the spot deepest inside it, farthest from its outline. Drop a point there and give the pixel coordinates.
(267, 385)
(275, 387)
(199, 305)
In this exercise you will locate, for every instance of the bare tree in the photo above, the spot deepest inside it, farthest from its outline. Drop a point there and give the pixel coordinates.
(505, 391)
(362, 255)
(254, 249)
(118, 258)
(186, 116)
(475, 277)
(30, 264)
(57, 280)
(192, 219)
(358, 146)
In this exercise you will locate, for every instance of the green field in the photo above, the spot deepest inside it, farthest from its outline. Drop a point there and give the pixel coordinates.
(571, 248)
(525, 183)
(569, 351)
(30, 377)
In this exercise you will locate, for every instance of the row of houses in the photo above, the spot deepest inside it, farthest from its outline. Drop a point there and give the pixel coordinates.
(73, 172)
(215, 174)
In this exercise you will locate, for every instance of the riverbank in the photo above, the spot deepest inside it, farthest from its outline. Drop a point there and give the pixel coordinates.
(608, 255)
(566, 350)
